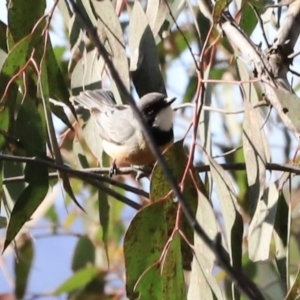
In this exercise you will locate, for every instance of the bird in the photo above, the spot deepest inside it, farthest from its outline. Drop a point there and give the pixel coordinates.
(123, 137)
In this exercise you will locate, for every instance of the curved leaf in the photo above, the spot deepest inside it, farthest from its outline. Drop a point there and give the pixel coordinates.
(104, 210)
(144, 242)
(23, 264)
(176, 158)
(78, 280)
(20, 26)
(144, 63)
(261, 227)
(87, 73)
(84, 254)
(290, 106)
(159, 17)
(3, 30)
(232, 218)
(293, 293)
(203, 284)
(27, 203)
(282, 234)
(111, 29)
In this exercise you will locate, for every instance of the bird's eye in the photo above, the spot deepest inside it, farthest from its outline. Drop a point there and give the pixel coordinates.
(150, 112)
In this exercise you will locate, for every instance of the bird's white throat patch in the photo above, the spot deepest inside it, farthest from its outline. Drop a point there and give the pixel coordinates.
(164, 119)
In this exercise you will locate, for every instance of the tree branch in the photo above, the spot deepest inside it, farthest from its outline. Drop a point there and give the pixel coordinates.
(91, 178)
(272, 65)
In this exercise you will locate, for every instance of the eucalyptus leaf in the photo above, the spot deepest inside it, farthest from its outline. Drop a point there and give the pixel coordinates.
(203, 284)
(262, 224)
(110, 24)
(27, 203)
(23, 265)
(87, 72)
(144, 63)
(233, 222)
(84, 254)
(290, 106)
(80, 279)
(18, 25)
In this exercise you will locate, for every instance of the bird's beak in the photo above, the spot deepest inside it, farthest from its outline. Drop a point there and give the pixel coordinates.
(170, 101)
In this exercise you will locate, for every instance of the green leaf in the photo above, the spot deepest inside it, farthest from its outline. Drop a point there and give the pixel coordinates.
(144, 63)
(78, 280)
(14, 62)
(173, 289)
(219, 8)
(53, 217)
(171, 285)
(3, 30)
(176, 158)
(144, 242)
(281, 237)
(16, 59)
(145, 239)
(248, 21)
(53, 144)
(23, 264)
(27, 203)
(19, 55)
(84, 254)
(30, 128)
(19, 25)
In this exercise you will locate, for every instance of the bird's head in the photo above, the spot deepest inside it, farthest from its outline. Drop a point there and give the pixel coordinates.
(156, 109)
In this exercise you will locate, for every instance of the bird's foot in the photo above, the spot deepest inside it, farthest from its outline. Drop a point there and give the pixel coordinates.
(113, 169)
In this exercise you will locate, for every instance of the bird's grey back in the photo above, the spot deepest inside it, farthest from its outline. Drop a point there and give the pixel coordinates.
(114, 121)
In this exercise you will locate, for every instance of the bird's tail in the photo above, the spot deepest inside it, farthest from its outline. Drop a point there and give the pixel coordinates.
(95, 98)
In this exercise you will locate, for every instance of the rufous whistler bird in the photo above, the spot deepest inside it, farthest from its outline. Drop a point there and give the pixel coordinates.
(122, 135)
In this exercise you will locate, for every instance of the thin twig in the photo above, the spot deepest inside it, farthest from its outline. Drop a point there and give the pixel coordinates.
(183, 36)
(261, 23)
(92, 178)
(219, 110)
(94, 173)
(200, 168)
(242, 167)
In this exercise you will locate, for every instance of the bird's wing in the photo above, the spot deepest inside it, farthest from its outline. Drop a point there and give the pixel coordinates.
(95, 99)
(110, 117)
(114, 125)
